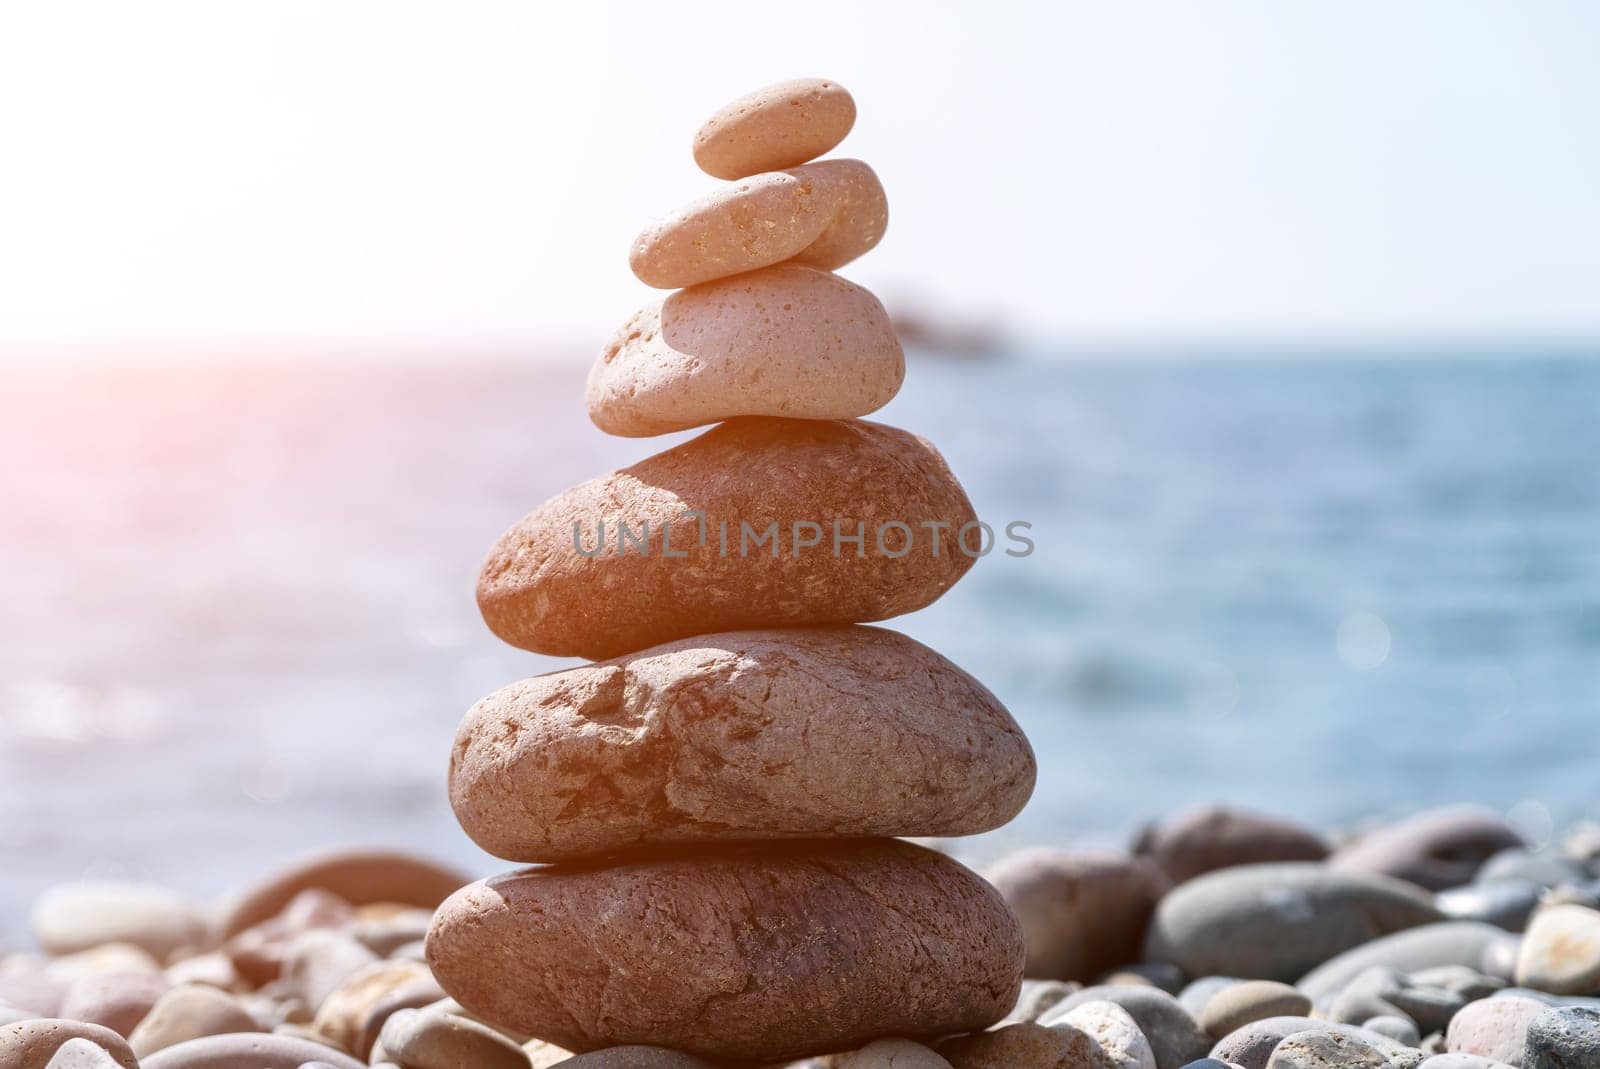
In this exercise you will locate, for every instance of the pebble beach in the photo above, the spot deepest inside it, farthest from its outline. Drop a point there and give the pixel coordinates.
(746, 807)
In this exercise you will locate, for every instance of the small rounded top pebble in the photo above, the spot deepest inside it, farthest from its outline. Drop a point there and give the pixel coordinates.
(779, 126)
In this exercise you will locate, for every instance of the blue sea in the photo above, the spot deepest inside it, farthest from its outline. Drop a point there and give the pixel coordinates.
(238, 617)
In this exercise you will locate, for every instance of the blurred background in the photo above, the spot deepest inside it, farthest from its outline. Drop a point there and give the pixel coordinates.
(1276, 321)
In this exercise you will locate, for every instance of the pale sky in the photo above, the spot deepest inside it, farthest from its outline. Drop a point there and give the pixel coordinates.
(224, 175)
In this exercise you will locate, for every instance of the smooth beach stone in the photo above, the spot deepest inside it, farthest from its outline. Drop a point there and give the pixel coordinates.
(1399, 1029)
(1505, 903)
(635, 1056)
(357, 876)
(419, 1039)
(1036, 997)
(1162, 974)
(1124, 1045)
(186, 1013)
(1252, 1046)
(117, 1000)
(1561, 952)
(1494, 1028)
(776, 126)
(248, 1051)
(412, 996)
(1082, 912)
(1250, 1001)
(1564, 1038)
(108, 958)
(343, 1015)
(752, 951)
(79, 916)
(319, 962)
(1175, 1039)
(1325, 1050)
(1435, 849)
(538, 590)
(1277, 922)
(786, 341)
(1381, 990)
(844, 732)
(1205, 839)
(214, 969)
(1461, 1061)
(821, 214)
(386, 934)
(1197, 995)
(31, 1044)
(1426, 946)
(33, 989)
(893, 1054)
(1023, 1046)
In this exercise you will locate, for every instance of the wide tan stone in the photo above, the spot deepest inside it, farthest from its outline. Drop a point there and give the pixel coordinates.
(551, 586)
(753, 951)
(186, 1013)
(837, 206)
(776, 126)
(783, 341)
(80, 916)
(807, 732)
(116, 1000)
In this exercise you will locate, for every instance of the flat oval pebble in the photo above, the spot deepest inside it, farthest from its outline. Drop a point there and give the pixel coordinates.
(1325, 1050)
(1250, 1001)
(248, 1051)
(1436, 848)
(893, 1054)
(783, 341)
(776, 126)
(79, 916)
(357, 876)
(755, 951)
(117, 1000)
(1115, 1031)
(1563, 1038)
(1082, 911)
(824, 214)
(1427, 946)
(31, 1044)
(751, 477)
(1277, 922)
(1206, 838)
(839, 731)
(1561, 951)
(420, 1039)
(186, 1013)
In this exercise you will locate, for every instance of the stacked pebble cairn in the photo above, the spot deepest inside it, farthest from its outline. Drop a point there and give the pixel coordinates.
(713, 801)
(715, 804)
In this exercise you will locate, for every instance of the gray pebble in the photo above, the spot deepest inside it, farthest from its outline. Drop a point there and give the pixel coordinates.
(1175, 1038)
(1399, 1029)
(1325, 1050)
